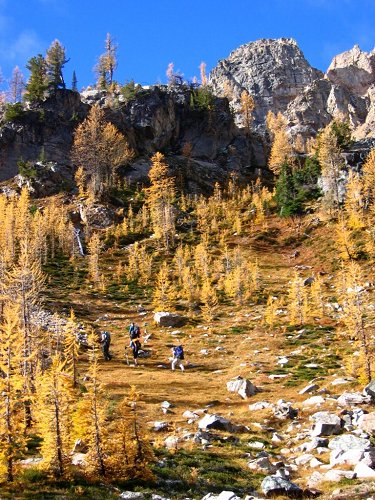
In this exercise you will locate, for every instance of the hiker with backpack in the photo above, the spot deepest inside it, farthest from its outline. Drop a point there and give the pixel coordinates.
(178, 356)
(135, 342)
(105, 340)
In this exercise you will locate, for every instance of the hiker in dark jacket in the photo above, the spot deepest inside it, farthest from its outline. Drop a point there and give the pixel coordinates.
(105, 340)
(178, 356)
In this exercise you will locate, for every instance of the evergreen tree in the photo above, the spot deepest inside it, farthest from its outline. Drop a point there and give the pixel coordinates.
(37, 84)
(55, 61)
(74, 82)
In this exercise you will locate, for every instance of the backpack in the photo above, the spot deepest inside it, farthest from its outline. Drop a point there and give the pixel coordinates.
(179, 352)
(135, 333)
(106, 337)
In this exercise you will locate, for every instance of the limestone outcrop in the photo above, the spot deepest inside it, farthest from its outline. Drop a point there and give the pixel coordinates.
(279, 78)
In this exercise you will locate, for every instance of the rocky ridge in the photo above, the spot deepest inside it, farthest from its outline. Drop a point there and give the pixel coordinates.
(279, 78)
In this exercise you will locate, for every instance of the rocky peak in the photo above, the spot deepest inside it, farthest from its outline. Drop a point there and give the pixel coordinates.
(353, 69)
(273, 71)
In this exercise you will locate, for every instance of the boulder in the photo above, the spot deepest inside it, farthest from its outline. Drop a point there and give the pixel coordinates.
(350, 457)
(262, 464)
(224, 495)
(366, 422)
(172, 442)
(325, 423)
(260, 405)
(336, 475)
(80, 446)
(313, 401)
(160, 426)
(131, 495)
(363, 471)
(284, 410)
(352, 398)
(78, 459)
(370, 389)
(309, 388)
(242, 387)
(218, 422)
(349, 442)
(163, 318)
(274, 485)
(97, 216)
(369, 458)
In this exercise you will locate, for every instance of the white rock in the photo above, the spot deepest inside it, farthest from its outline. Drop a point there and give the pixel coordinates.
(131, 495)
(171, 442)
(309, 388)
(242, 387)
(257, 445)
(363, 471)
(349, 442)
(313, 401)
(366, 422)
(335, 475)
(259, 406)
(304, 459)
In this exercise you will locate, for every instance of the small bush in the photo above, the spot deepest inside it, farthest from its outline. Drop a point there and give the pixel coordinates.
(13, 112)
(26, 169)
(130, 90)
(201, 98)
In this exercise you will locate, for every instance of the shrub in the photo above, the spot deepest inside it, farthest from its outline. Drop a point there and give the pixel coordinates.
(130, 90)
(201, 98)
(295, 187)
(26, 169)
(13, 112)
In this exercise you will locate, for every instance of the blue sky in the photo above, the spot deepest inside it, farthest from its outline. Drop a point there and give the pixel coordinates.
(151, 34)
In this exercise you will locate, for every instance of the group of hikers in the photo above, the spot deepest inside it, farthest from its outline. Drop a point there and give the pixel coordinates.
(135, 345)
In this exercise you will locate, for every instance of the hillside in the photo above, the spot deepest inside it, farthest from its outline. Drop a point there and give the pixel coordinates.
(252, 250)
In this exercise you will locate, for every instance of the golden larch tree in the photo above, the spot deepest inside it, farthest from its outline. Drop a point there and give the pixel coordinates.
(99, 149)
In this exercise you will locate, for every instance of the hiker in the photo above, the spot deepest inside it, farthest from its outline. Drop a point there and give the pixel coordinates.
(178, 356)
(135, 345)
(131, 328)
(105, 340)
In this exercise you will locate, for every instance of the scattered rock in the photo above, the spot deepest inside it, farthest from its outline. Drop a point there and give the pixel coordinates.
(163, 318)
(80, 446)
(160, 426)
(242, 387)
(336, 475)
(261, 405)
(284, 410)
(363, 471)
(262, 464)
(309, 388)
(366, 422)
(172, 442)
(342, 381)
(349, 442)
(370, 389)
(79, 459)
(274, 485)
(325, 423)
(352, 398)
(224, 495)
(313, 401)
(218, 422)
